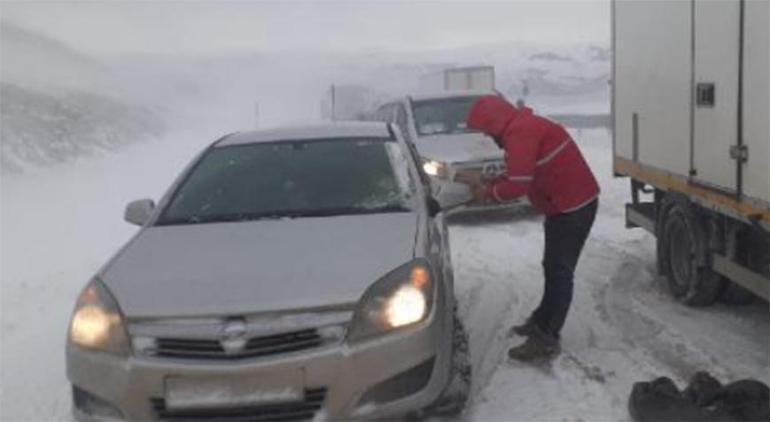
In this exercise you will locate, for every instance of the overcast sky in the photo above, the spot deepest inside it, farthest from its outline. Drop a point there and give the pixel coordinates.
(204, 27)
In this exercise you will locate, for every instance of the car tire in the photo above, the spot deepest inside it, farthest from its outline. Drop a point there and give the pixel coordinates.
(452, 400)
(690, 282)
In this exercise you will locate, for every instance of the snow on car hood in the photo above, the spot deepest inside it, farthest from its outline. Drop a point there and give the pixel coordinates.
(457, 148)
(247, 267)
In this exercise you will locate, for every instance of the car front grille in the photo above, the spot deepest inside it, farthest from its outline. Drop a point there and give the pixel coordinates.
(238, 337)
(254, 347)
(292, 411)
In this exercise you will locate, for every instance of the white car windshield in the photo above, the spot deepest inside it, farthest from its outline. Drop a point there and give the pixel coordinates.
(442, 116)
(293, 179)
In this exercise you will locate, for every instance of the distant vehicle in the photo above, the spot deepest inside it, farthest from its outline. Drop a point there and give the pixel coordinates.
(469, 78)
(346, 102)
(287, 274)
(435, 124)
(691, 95)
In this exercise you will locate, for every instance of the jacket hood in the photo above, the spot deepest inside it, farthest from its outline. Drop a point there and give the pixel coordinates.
(491, 114)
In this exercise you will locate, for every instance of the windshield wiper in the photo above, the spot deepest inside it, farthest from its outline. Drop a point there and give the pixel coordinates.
(326, 212)
(280, 214)
(226, 218)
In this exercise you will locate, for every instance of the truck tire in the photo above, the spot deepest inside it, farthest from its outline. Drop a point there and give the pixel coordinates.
(684, 242)
(452, 400)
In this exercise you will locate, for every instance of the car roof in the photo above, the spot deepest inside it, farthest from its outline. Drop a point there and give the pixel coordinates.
(449, 94)
(308, 132)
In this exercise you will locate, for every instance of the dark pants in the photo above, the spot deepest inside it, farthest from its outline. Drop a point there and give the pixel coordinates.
(565, 235)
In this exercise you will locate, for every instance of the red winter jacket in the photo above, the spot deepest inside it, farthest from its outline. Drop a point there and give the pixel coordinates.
(542, 159)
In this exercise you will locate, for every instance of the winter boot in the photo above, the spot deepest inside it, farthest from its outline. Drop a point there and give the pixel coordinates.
(524, 330)
(539, 346)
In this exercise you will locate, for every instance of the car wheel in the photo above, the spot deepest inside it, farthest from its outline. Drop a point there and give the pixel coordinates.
(452, 400)
(690, 282)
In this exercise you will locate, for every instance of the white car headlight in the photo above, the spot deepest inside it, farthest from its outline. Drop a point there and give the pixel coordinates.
(401, 298)
(97, 322)
(434, 168)
(406, 306)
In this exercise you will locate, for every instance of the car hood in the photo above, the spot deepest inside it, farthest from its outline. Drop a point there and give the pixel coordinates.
(457, 148)
(248, 267)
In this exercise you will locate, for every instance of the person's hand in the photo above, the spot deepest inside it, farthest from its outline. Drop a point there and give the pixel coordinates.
(479, 191)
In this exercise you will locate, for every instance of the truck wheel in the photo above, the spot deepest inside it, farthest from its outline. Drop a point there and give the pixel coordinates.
(690, 283)
(452, 400)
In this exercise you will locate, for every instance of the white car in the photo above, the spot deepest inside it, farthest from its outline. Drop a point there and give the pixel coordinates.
(435, 125)
(289, 274)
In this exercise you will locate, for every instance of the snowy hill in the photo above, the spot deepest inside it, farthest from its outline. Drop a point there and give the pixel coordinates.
(552, 78)
(57, 104)
(41, 129)
(35, 61)
(42, 77)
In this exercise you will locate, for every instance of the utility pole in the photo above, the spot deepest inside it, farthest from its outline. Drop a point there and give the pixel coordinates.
(333, 105)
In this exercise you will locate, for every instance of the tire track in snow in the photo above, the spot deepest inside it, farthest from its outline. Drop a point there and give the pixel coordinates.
(678, 338)
(487, 271)
(589, 380)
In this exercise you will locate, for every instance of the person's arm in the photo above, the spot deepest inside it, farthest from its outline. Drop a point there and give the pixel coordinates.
(521, 158)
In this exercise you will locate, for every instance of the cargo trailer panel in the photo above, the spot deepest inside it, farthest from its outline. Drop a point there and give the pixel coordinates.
(756, 101)
(717, 51)
(652, 83)
(691, 117)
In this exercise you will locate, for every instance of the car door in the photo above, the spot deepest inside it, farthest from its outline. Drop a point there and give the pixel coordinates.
(436, 232)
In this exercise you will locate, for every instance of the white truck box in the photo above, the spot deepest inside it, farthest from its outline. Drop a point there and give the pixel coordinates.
(691, 121)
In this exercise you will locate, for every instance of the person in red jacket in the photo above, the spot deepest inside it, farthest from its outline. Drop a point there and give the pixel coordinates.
(544, 163)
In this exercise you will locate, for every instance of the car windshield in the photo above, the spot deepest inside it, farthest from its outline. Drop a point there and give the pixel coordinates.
(293, 179)
(442, 116)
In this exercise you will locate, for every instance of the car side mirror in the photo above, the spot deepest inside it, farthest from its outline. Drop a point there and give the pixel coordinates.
(452, 194)
(139, 212)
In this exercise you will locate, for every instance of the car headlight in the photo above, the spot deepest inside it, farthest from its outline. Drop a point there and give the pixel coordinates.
(401, 298)
(97, 322)
(434, 168)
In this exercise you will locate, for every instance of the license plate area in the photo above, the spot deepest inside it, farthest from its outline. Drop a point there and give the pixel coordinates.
(198, 392)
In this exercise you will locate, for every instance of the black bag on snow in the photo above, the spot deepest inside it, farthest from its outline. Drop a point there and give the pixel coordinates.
(704, 399)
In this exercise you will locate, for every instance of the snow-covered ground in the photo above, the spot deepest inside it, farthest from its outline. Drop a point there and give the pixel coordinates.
(623, 326)
(58, 225)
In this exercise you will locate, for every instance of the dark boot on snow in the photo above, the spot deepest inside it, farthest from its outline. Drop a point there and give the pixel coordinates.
(538, 347)
(523, 330)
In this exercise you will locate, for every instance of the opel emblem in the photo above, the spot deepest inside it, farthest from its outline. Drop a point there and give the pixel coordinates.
(233, 336)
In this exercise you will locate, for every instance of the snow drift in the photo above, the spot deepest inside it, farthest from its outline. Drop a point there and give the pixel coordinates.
(58, 104)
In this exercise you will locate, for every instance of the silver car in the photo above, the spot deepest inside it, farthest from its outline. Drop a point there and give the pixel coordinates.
(288, 274)
(435, 124)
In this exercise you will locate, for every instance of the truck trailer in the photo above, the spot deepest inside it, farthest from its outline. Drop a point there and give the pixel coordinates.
(691, 130)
